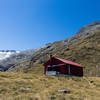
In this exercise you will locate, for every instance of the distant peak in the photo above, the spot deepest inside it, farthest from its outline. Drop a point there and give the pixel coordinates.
(94, 26)
(9, 51)
(94, 23)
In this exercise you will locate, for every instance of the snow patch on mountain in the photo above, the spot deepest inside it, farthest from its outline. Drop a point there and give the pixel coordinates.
(7, 53)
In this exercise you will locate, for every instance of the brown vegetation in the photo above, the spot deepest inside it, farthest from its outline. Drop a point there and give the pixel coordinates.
(19, 86)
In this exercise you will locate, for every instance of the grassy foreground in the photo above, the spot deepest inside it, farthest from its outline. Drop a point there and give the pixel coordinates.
(19, 86)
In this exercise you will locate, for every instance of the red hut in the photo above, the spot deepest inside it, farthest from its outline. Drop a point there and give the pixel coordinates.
(58, 66)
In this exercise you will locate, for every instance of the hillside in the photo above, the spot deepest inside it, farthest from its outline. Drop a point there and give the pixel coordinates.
(19, 86)
(11, 58)
(83, 48)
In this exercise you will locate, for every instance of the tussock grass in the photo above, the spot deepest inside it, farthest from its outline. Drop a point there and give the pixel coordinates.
(19, 86)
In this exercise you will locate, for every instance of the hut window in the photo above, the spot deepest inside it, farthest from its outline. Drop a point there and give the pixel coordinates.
(52, 68)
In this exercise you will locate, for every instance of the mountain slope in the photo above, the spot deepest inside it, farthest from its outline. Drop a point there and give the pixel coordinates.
(90, 28)
(83, 48)
(9, 59)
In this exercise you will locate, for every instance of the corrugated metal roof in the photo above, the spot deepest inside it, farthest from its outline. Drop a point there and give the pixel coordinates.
(69, 62)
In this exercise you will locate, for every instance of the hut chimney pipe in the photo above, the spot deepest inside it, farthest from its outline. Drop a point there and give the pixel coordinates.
(51, 59)
(51, 56)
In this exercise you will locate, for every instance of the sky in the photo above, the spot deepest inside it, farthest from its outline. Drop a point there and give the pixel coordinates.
(27, 24)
